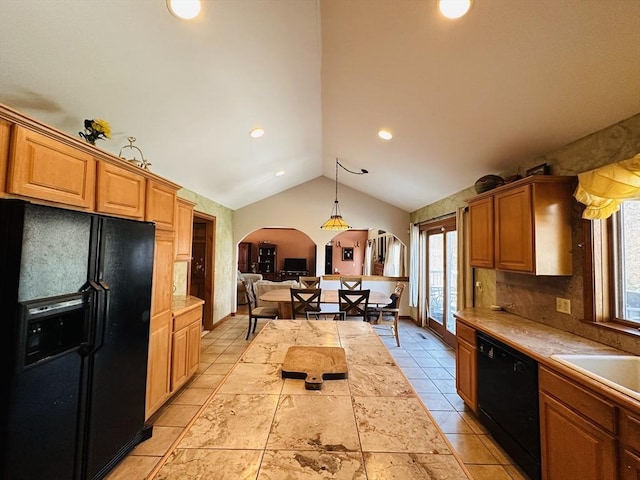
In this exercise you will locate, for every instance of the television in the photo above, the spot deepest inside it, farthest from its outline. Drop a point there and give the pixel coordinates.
(295, 265)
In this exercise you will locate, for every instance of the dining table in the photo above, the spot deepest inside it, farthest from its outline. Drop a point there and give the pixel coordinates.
(282, 296)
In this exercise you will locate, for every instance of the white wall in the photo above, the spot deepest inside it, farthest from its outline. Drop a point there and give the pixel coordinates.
(309, 205)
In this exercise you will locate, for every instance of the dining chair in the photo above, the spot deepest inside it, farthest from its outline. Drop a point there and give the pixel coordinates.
(387, 316)
(304, 300)
(350, 282)
(256, 312)
(309, 282)
(354, 302)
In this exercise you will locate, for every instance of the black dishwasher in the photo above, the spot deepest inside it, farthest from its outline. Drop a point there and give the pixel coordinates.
(508, 401)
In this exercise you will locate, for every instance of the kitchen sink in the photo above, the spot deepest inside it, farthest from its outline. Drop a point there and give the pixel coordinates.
(620, 372)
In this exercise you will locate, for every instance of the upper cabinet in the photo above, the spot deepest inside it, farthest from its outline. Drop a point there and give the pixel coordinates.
(42, 167)
(120, 192)
(524, 226)
(5, 134)
(184, 229)
(161, 205)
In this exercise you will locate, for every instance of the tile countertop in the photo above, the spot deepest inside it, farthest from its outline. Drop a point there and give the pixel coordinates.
(540, 341)
(183, 303)
(370, 426)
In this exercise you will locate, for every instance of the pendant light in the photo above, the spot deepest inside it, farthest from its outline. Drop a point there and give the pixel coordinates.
(336, 222)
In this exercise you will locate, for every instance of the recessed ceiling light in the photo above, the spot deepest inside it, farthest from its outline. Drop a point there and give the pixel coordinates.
(256, 132)
(185, 9)
(385, 134)
(454, 8)
(279, 173)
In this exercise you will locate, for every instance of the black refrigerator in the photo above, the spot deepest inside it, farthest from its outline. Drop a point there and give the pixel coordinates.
(75, 299)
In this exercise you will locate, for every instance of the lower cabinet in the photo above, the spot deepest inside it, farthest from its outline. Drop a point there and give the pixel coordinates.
(629, 445)
(466, 365)
(185, 351)
(159, 362)
(577, 431)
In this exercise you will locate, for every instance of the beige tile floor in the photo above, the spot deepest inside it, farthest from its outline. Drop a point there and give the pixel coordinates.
(425, 360)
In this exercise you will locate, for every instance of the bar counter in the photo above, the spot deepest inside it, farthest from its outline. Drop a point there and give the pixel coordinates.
(257, 425)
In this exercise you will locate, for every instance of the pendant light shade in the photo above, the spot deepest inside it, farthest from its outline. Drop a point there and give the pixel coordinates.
(336, 222)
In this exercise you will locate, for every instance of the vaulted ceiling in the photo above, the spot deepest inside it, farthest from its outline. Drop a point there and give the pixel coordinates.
(490, 92)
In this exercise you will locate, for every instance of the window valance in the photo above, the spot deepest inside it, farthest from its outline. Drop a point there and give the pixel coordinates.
(604, 188)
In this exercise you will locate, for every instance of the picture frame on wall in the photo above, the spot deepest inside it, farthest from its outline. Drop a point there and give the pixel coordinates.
(347, 254)
(542, 169)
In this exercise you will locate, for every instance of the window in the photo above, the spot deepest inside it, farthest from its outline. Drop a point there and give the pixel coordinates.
(612, 268)
(626, 262)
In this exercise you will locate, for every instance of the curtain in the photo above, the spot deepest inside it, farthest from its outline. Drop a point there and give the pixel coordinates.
(392, 258)
(413, 265)
(368, 250)
(603, 189)
(465, 276)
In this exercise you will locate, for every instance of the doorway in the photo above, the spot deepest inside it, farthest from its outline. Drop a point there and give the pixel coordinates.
(441, 278)
(202, 268)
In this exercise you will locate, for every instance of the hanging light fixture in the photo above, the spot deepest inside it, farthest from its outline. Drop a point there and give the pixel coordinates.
(336, 222)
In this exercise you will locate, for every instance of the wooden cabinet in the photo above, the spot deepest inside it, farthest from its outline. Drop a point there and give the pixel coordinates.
(528, 222)
(184, 229)
(5, 137)
(466, 365)
(481, 233)
(577, 431)
(158, 373)
(629, 428)
(185, 356)
(159, 361)
(267, 260)
(44, 168)
(244, 257)
(161, 203)
(120, 191)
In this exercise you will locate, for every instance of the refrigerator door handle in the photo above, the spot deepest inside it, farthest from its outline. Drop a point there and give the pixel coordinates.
(90, 341)
(103, 314)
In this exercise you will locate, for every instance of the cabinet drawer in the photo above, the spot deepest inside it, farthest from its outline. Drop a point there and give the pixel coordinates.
(43, 168)
(630, 430)
(187, 318)
(120, 192)
(593, 407)
(466, 333)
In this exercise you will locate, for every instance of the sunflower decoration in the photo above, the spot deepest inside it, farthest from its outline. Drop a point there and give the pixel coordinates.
(97, 129)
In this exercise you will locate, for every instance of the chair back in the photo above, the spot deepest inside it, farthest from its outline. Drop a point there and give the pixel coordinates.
(350, 283)
(304, 300)
(251, 296)
(396, 296)
(309, 282)
(354, 302)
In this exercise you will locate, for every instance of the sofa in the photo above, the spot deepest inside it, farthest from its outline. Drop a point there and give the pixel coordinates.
(251, 278)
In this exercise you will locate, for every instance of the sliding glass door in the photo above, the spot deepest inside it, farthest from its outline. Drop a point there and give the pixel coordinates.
(441, 281)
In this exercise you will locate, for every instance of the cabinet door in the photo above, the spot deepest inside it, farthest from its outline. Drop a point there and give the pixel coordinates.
(43, 168)
(481, 233)
(5, 136)
(184, 230)
(179, 349)
(162, 273)
(629, 465)
(514, 229)
(573, 448)
(193, 352)
(466, 373)
(161, 205)
(159, 362)
(120, 192)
